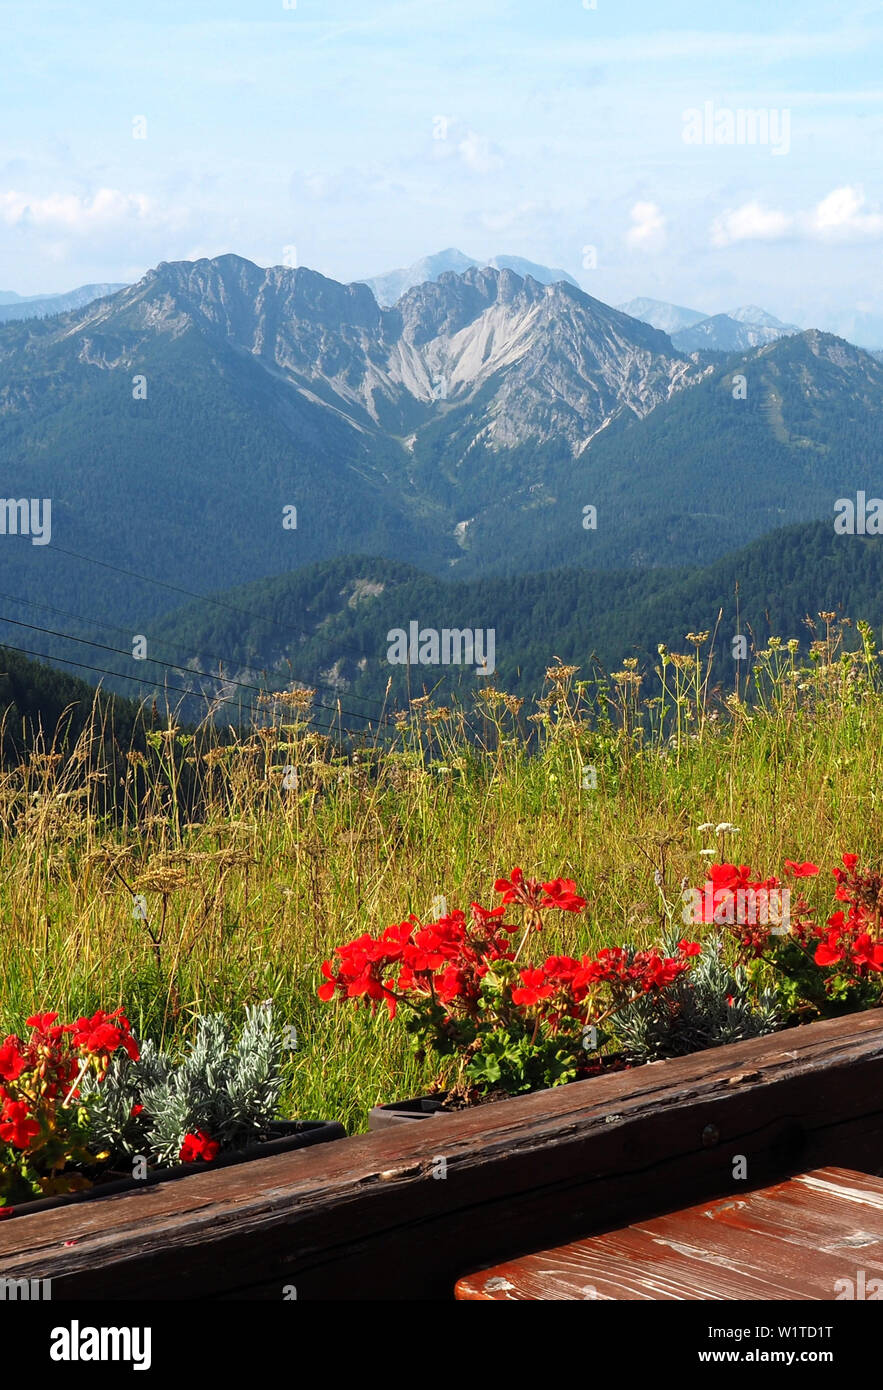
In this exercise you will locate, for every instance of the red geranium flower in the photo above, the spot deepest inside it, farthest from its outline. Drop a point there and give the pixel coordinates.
(41, 1021)
(561, 893)
(199, 1145)
(536, 987)
(17, 1128)
(104, 1033)
(327, 988)
(867, 952)
(12, 1060)
(512, 887)
(828, 952)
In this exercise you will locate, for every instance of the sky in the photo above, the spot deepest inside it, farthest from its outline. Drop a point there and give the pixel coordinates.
(355, 136)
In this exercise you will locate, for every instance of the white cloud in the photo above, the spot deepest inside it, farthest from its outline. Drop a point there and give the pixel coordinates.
(71, 214)
(841, 215)
(478, 153)
(751, 222)
(452, 139)
(647, 231)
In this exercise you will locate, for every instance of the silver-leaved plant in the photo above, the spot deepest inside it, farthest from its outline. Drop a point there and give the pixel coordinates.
(229, 1091)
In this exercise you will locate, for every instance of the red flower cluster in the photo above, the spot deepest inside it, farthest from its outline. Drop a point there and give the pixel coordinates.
(17, 1128)
(103, 1033)
(199, 1145)
(562, 985)
(446, 959)
(530, 893)
(38, 1076)
(511, 1028)
(752, 909)
(854, 936)
(851, 939)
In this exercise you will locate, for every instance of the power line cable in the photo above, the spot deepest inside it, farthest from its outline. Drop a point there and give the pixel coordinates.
(215, 700)
(170, 665)
(202, 598)
(104, 671)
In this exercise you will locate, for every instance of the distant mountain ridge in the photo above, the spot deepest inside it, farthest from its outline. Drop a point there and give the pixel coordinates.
(691, 331)
(15, 306)
(727, 333)
(389, 287)
(668, 318)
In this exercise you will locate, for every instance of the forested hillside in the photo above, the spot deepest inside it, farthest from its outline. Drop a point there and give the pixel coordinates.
(330, 623)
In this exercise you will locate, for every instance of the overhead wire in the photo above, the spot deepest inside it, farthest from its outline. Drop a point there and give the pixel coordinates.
(169, 665)
(212, 700)
(202, 598)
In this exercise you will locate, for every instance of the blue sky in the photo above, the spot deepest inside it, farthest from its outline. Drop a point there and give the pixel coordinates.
(367, 134)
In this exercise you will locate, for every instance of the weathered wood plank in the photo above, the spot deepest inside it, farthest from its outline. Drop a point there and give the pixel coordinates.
(365, 1217)
(798, 1240)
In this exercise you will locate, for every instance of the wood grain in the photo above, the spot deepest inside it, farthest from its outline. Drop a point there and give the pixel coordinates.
(365, 1218)
(798, 1240)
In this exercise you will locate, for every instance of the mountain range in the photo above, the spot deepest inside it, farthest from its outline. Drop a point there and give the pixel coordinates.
(486, 424)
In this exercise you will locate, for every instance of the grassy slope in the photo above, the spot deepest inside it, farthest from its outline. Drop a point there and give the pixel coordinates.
(262, 888)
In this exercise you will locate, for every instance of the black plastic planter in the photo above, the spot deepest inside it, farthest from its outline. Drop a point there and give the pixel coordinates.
(287, 1135)
(424, 1107)
(399, 1112)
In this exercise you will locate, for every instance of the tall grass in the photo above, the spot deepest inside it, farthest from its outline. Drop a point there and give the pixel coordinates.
(176, 905)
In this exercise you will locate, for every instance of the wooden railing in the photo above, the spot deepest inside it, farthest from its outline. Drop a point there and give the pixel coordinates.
(402, 1214)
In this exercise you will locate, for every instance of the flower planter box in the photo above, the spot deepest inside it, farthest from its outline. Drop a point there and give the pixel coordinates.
(287, 1136)
(364, 1219)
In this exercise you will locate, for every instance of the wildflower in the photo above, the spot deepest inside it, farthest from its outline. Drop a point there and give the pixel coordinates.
(805, 870)
(559, 674)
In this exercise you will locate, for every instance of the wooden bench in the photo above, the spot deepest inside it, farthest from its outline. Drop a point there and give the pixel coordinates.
(818, 1236)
